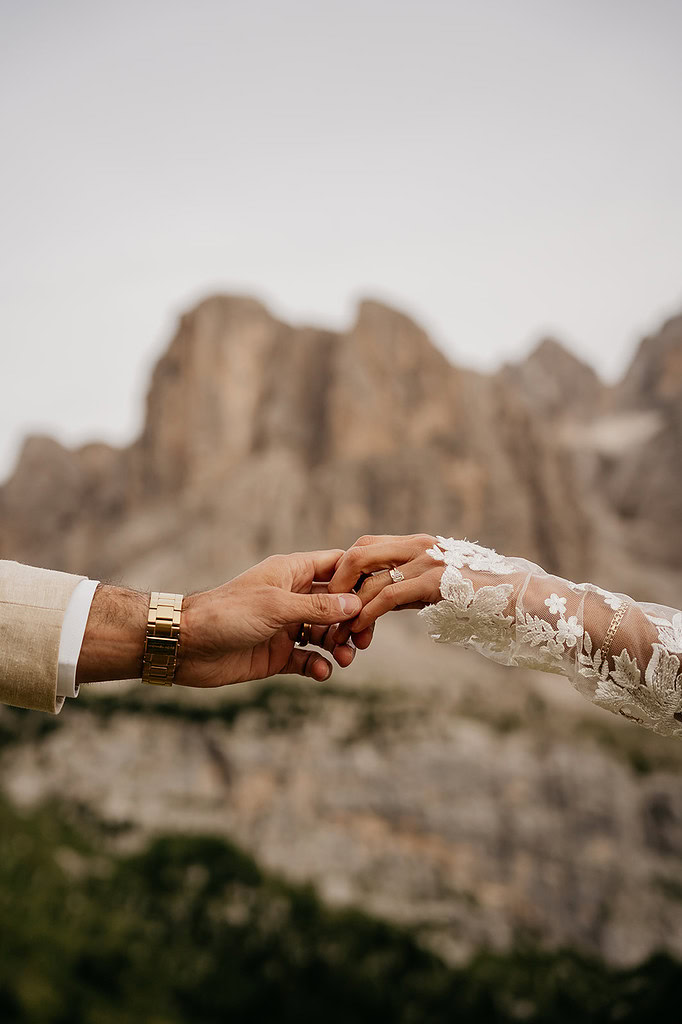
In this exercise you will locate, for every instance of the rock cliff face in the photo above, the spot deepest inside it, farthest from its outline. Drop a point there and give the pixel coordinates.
(468, 827)
(260, 436)
(555, 382)
(473, 802)
(646, 484)
(626, 442)
(654, 379)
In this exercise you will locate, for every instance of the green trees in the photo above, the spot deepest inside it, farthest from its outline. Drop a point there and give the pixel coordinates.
(191, 930)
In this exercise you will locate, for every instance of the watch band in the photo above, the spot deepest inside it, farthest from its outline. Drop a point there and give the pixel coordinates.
(163, 637)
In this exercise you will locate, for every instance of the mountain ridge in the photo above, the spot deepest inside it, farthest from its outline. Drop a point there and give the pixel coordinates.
(437, 789)
(371, 429)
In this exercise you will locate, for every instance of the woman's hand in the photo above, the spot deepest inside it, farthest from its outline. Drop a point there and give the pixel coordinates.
(379, 593)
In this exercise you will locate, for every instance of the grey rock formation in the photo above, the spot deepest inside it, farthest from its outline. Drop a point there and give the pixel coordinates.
(626, 444)
(646, 483)
(473, 825)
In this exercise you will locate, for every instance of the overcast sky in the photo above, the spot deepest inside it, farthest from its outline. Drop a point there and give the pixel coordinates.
(501, 170)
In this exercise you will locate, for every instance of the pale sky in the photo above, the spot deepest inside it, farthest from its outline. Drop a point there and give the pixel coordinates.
(500, 170)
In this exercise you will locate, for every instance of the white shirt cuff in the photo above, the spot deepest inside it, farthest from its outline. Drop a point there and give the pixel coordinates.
(73, 631)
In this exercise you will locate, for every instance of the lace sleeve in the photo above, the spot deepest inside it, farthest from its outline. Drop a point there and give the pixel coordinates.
(621, 654)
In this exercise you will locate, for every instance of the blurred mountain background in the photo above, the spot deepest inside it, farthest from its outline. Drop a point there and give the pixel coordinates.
(475, 806)
(428, 836)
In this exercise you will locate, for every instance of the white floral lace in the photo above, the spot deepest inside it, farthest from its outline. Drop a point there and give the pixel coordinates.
(544, 622)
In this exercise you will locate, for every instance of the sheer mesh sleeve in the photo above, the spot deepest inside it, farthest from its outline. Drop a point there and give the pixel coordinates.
(621, 654)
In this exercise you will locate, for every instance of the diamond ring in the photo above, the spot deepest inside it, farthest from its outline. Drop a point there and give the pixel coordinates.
(396, 575)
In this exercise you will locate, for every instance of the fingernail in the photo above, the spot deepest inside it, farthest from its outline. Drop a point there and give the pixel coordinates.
(350, 604)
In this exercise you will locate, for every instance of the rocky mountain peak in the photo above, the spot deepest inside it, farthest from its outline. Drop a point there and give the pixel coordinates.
(654, 378)
(555, 381)
(260, 436)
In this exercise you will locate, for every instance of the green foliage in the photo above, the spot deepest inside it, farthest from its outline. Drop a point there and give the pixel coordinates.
(192, 931)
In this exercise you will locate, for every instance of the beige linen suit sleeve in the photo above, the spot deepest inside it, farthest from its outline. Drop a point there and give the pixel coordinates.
(32, 606)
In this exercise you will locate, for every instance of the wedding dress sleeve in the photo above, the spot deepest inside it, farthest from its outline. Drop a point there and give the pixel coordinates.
(623, 655)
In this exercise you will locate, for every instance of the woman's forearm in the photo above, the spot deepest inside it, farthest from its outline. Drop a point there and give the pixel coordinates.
(614, 650)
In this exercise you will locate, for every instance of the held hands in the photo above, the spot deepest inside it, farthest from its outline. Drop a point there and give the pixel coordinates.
(247, 628)
(383, 591)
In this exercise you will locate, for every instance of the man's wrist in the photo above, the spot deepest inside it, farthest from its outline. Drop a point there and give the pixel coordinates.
(189, 635)
(113, 644)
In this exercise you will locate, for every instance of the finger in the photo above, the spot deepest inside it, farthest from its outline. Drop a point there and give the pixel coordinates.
(320, 636)
(397, 595)
(345, 633)
(375, 583)
(363, 639)
(371, 586)
(378, 580)
(320, 609)
(309, 664)
(382, 554)
(326, 637)
(309, 566)
(344, 655)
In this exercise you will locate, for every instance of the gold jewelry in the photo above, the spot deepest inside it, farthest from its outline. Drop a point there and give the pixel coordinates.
(163, 637)
(612, 630)
(303, 638)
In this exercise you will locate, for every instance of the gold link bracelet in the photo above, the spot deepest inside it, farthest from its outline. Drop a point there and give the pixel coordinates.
(612, 630)
(162, 640)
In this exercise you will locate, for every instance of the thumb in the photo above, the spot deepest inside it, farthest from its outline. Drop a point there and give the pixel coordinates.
(319, 609)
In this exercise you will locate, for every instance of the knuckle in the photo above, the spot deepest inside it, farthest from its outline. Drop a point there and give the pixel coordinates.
(365, 540)
(325, 605)
(354, 556)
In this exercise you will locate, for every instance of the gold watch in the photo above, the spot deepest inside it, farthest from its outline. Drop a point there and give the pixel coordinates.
(163, 637)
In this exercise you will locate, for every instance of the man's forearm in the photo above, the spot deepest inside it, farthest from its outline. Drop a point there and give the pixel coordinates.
(244, 629)
(113, 645)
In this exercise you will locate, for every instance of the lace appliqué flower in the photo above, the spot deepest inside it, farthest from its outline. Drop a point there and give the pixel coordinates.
(670, 633)
(556, 604)
(551, 642)
(467, 616)
(653, 705)
(569, 631)
(465, 552)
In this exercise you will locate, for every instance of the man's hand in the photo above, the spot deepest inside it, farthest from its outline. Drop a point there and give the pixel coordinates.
(380, 594)
(245, 629)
